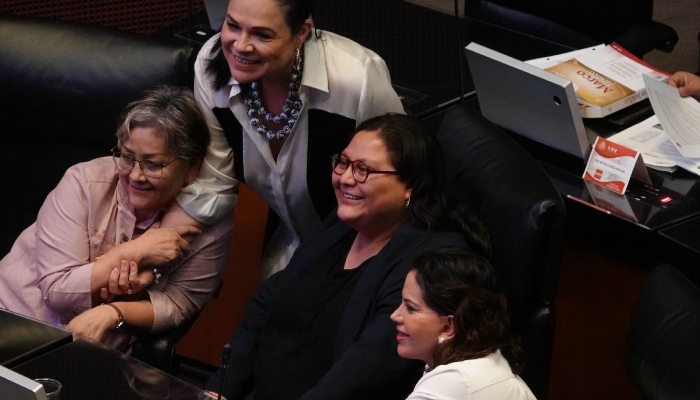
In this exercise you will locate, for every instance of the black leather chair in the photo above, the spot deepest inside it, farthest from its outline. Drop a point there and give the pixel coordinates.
(579, 24)
(62, 88)
(524, 215)
(662, 345)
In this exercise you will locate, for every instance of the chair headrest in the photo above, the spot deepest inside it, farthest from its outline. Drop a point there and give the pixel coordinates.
(70, 81)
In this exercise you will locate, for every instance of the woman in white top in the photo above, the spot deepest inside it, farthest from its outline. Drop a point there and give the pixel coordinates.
(280, 98)
(454, 317)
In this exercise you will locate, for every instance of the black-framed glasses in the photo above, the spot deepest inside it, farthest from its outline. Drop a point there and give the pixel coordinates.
(149, 168)
(360, 170)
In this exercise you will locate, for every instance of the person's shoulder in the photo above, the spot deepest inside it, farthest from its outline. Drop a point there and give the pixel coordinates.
(96, 170)
(205, 53)
(340, 46)
(486, 377)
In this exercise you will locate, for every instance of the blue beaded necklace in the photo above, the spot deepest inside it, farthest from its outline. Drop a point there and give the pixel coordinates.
(290, 111)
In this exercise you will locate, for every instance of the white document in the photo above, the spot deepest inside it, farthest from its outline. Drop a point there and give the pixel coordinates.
(649, 138)
(679, 116)
(546, 62)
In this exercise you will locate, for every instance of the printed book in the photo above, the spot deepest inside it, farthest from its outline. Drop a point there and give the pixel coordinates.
(606, 78)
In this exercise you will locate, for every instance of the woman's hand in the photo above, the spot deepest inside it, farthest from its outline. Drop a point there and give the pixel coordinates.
(161, 246)
(94, 323)
(688, 84)
(127, 279)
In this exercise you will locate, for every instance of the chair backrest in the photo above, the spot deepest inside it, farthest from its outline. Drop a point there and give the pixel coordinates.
(578, 25)
(662, 344)
(63, 86)
(524, 215)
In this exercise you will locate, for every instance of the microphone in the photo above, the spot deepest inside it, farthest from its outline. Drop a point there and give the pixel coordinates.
(225, 361)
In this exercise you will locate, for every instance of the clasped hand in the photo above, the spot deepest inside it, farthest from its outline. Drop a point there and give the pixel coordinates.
(157, 247)
(161, 246)
(126, 280)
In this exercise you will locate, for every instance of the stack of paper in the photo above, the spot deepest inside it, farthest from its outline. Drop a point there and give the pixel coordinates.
(671, 138)
(606, 78)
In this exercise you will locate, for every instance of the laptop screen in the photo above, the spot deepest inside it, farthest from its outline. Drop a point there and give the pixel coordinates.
(527, 100)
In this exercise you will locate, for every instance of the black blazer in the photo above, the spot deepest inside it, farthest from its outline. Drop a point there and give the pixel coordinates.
(366, 364)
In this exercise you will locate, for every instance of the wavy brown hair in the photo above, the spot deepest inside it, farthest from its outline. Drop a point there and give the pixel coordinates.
(458, 282)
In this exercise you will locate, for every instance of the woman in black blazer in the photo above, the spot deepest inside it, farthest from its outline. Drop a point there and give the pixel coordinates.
(320, 328)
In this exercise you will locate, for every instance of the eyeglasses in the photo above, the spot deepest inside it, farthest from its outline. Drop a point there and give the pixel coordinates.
(149, 168)
(360, 170)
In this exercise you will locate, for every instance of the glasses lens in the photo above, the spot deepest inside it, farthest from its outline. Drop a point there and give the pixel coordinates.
(123, 161)
(151, 169)
(360, 171)
(340, 164)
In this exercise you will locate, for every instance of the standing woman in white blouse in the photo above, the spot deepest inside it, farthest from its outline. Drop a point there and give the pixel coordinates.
(455, 318)
(280, 98)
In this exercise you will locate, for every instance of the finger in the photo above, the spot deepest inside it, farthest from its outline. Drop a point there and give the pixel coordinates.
(184, 246)
(106, 296)
(124, 276)
(145, 278)
(187, 230)
(189, 233)
(133, 271)
(134, 281)
(114, 281)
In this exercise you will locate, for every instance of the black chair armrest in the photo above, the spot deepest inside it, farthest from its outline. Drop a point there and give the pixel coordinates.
(648, 36)
(158, 349)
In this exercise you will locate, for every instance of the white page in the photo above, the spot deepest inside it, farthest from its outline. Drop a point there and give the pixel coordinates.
(658, 152)
(679, 116)
(648, 138)
(546, 62)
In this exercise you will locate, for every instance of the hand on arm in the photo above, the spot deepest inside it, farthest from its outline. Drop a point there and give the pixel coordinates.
(157, 247)
(127, 279)
(176, 216)
(688, 84)
(97, 321)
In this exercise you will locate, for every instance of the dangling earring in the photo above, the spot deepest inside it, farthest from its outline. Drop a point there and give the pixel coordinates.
(408, 201)
(297, 62)
(441, 340)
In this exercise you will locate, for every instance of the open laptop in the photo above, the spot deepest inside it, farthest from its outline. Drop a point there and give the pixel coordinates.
(527, 100)
(18, 387)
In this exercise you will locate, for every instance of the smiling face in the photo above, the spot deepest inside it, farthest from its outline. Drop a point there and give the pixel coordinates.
(148, 195)
(257, 42)
(418, 327)
(378, 205)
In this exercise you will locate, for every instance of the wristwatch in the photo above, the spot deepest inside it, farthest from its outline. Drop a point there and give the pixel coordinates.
(121, 322)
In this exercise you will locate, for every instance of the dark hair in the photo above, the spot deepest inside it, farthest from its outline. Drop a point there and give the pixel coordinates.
(417, 156)
(456, 281)
(295, 13)
(175, 114)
